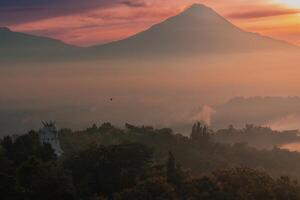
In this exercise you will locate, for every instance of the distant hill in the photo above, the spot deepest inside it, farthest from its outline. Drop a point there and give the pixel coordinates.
(24, 47)
(277, 112)
(197, 30)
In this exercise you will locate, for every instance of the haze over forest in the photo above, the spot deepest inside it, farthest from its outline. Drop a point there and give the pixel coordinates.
(174, 73)
(149, 99)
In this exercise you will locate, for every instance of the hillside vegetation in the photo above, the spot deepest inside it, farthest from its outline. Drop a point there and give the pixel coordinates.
(106, 162)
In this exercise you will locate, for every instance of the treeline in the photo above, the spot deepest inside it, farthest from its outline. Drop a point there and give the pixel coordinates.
(200, 152)
(31, 171)
(256, 136)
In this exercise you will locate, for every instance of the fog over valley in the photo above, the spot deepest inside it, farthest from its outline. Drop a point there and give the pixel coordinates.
(160, 100)
(165, 92)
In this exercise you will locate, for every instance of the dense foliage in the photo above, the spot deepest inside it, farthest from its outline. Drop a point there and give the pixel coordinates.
(143, 163)
(200, 152)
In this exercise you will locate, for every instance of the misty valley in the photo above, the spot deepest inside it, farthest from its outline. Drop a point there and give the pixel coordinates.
(191, 108)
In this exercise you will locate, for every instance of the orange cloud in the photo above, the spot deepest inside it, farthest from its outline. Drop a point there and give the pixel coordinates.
(101, 25)
(263, 13)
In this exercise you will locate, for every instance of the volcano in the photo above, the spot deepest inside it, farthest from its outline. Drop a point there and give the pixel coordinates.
(197, 30)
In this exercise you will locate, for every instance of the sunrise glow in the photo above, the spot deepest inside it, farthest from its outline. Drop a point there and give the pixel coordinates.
(101, 22)
(290, 3)
(150, 99)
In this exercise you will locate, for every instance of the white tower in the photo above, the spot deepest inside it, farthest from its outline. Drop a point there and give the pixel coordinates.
(49, 135)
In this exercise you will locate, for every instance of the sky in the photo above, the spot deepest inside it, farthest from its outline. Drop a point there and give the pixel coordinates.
(91, 22)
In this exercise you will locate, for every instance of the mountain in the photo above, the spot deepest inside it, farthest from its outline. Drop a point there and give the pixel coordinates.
(198, 29)
(24, 47)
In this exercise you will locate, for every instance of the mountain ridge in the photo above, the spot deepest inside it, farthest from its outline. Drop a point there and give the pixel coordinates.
(16, 46)
(198, 30)
(6, 30)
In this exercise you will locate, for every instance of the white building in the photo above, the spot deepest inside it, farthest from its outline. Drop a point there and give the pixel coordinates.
(49, 135)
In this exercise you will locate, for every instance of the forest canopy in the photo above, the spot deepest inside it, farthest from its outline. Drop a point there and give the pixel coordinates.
(106, 162)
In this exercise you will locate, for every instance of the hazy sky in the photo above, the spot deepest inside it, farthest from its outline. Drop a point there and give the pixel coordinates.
(89, 22)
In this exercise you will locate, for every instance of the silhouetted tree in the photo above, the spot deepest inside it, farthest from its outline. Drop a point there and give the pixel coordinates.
(93, 129)
(23, 147)
(103, 171)
(174, 173)
(105, 127)
(156, 188)
(199, 132)
(48, 181)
